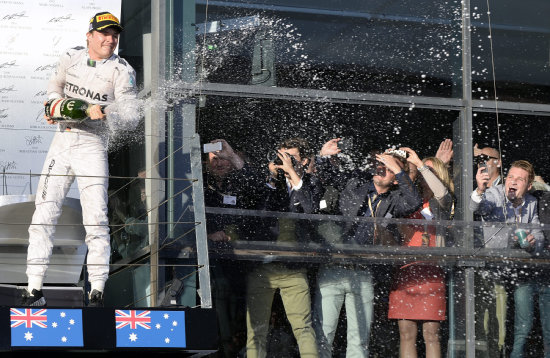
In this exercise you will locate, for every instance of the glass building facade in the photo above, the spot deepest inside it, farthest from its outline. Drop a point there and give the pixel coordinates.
(384, 75)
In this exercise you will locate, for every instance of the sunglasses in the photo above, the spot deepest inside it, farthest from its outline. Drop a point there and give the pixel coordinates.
(483, 158)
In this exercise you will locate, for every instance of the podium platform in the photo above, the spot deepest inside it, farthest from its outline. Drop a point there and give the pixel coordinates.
(69, 251)
(65, 326)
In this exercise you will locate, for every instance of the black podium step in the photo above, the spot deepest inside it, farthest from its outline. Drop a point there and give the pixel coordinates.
(103, 331)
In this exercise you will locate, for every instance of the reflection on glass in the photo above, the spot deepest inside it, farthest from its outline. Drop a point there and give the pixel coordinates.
(508, 139)
(511, 49)
(504, 273)
(128, 219)
(367, 47)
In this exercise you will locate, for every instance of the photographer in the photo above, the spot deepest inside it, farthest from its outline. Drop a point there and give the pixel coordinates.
(230, 182)
(386, 193)
(489, 158)
(290, 189)
(492, 297)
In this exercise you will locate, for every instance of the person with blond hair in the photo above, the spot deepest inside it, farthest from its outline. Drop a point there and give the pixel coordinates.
(418, 291)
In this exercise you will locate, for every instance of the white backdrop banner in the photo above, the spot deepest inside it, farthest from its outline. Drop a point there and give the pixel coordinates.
(34, 33)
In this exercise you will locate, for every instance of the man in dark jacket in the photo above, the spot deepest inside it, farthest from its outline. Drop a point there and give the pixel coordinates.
(388, 193)
(231, 182)
(290, 189)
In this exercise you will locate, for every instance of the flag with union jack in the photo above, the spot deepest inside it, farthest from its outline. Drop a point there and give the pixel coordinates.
(150, 328)
(46, 327)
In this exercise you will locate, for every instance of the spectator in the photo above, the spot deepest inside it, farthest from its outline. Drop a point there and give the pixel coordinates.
(291, 189)
(230, 182)
(133, 234)
(135, 224)
(418, 294)
(531, 283)
(117, 215)
(490, 157)
(539, 184)
(491, 295)
(508, 203)
(387, 193)
(445, 152)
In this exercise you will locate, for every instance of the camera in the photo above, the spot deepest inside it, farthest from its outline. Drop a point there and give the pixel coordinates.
(345, 144)
(212, 147)
(484, 166)
(398, 153)
(273, 157)
(481, 161)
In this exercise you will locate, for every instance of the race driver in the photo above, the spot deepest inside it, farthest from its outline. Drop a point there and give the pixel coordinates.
(100, 77)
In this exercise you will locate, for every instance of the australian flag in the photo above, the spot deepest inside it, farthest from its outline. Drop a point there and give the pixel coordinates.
(46, 327)
(150, 329)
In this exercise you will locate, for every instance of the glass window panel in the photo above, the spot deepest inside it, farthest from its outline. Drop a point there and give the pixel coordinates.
(512, 43)
(399, 48)
(512, 294)
(249, 244)
(256, 126)
(330, 264)
(512, 279)
(514, 136)
(127, 197)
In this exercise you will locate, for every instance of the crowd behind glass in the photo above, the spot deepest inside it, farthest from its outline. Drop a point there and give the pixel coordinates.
(314, 299)
(352, 306)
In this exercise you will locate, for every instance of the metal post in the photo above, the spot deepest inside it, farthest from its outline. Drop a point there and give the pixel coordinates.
(153, 126)
(466, 159)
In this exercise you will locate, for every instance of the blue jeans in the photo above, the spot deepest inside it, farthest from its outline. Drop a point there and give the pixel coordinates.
(336, 286)
(523, 322)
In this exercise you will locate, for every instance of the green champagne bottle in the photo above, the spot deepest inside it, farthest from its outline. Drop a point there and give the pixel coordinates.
(68, 109)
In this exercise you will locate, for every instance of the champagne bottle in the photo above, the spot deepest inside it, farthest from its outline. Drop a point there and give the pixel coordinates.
(68, 109)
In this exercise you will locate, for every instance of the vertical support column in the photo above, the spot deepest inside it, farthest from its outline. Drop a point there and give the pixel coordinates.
(470, 312)
(466, 145)
(170, 120)
(192, 147)
(200, 217)
(154, 119)
(466, 157)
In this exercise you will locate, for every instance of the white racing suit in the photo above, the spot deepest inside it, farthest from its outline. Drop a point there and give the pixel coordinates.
(80, 150)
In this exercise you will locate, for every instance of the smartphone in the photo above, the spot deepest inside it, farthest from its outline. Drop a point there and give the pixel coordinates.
(484, 166)
(212, 147)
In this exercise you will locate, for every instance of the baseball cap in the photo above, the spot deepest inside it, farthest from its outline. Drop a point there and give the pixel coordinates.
(103, 20)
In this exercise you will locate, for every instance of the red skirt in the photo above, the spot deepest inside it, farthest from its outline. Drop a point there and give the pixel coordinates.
(418, 294)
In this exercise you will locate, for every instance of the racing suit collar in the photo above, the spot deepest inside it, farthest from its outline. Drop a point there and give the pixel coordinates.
(99, 61)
